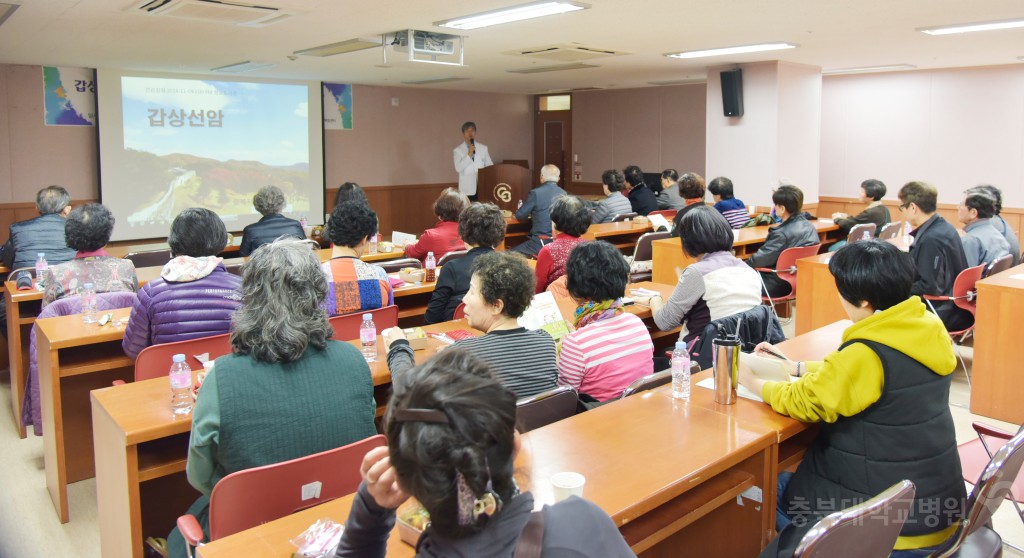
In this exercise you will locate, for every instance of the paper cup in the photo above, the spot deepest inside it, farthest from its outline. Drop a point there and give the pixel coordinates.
(567, 484)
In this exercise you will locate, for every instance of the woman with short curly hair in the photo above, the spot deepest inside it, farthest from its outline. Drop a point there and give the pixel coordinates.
(352, 284)
(87, 231)
(269, 202)
(287, 390)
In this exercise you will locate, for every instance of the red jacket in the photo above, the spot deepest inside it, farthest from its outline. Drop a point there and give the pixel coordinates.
(440, 240)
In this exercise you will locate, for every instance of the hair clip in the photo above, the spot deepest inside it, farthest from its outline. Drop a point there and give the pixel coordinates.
(471, 508)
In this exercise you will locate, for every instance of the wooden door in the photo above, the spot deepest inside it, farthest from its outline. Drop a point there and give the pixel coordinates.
(552, 143)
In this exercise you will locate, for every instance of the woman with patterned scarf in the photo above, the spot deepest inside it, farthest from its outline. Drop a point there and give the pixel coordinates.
(610, 347)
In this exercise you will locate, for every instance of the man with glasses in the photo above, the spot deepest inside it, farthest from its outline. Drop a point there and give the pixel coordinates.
(937, 251)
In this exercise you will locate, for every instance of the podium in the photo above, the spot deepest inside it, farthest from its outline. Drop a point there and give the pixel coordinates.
(504, 185)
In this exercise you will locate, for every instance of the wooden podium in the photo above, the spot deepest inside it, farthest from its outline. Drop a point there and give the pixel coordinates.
(504, 185)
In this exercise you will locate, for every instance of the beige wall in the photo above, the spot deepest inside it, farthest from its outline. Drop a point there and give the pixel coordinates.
(655, 128)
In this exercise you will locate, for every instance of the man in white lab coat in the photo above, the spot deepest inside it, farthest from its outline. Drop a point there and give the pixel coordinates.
(470, 156)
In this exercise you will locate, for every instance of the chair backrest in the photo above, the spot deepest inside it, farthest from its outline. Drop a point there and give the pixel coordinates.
(992, 487)
(857, 232)
(667, 213)
(346, 326)
(623, 217)
(998, 265)
(867, 529)
(647, 382)
(451, 256)
(392, 266)
(460, 311)
(545, 408)
(154, 361)
(644, 248)
(892, 230)
(786, 266)
(254, 496)
(149, 258)
(964, 289)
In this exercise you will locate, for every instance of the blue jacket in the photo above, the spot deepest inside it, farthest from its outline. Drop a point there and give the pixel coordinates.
(267, 230)
(538, 208)
(42, 234)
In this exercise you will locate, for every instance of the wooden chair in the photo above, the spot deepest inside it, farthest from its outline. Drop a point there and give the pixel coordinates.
(785, 269)
(869, 529)
(644, 253)
(623, 217)
(863, 231)
(451, 256)
(154, 361)
(393, 266)
(255, 496)
(149, 258)
(346, 326)
(545, 408)
(974, 537)
(975, 456)
(892, 230)
(998, 265)
(965, 296)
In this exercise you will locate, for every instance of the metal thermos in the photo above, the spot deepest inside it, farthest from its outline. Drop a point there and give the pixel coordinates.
(726, 364)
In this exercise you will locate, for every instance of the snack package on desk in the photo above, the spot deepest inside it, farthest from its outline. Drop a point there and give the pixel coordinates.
(320, 540)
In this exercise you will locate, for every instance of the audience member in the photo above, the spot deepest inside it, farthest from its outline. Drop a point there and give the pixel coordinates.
(350, 191)
(538, 210)
(795, 231)
(87, 231)
(669, 197)
(195, 296)
(731, 208)
(691, 188)
(610, 347)
(352, 284)
(614, 203)
(570, 219)
(42, 234)
(937, 252)
(871, 192)
(641, 198)
(982, 242)
(718, 285)
(452, 444)
(444, 236)
(287, 390)
(500, 290)
(1000, 224)
(882, 400)
(269, 201)
(482, 228)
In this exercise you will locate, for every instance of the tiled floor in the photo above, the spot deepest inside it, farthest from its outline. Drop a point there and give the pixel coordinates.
(29, 526)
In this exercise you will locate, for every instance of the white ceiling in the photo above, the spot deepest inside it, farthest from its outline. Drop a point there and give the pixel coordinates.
(831, 34)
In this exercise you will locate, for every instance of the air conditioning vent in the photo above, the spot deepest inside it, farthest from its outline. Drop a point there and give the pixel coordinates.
(214, 11)
(572, 52)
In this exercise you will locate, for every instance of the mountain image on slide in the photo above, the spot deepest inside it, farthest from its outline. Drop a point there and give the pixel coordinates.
(167, 184)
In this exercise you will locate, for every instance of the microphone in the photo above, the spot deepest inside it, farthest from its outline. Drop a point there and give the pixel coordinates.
(472, 141)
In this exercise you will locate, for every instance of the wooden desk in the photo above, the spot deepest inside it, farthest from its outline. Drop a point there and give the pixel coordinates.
(623, 234)
(668, 473)
(74, 358)
(22, 308)
(669, 257)
(996, 389)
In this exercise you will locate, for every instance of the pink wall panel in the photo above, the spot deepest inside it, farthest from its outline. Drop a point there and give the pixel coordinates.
(592, 131)
(799, 132)
(683, 127)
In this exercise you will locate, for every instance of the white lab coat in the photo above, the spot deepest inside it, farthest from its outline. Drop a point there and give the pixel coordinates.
(467, 167)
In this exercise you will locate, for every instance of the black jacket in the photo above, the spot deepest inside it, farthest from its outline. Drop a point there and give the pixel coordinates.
(759, 324)
(267, 230)
(939, 257)
(792, 233)
(42, 234)
(642, 200)
(452, 285)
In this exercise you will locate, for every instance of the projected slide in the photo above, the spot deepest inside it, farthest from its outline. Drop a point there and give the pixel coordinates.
(207, 143)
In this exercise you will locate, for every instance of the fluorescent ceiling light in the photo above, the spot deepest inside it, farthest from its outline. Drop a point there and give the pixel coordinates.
(556, 68)
(242, 67)
(731, 50)
(868, 69)
(515, 13)
(351, 45)
(434, 80)
(972, 27)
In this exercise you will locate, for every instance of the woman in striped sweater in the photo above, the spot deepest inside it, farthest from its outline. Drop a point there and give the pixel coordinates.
(610, 347)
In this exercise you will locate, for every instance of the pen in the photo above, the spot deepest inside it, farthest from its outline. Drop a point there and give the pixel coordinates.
(774, 354)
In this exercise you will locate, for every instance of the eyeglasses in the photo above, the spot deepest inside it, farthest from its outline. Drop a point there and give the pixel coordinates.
(905, 205)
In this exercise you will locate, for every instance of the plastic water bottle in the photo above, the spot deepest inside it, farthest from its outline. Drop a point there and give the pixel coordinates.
(431, 274)
(41, 269)
(88, 303)
(906, 232)
(303, 221)
(373, 244)
(680, 372)
(520, 206)
(368, 338)
(181, 386)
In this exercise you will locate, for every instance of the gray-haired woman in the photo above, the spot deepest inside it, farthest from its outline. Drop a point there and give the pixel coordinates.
(270, 202)
(287, 390)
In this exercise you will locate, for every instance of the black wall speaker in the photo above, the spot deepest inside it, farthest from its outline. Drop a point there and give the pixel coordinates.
(732, 92)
